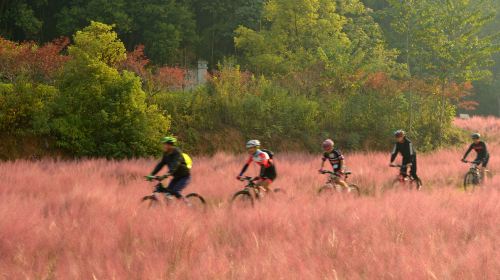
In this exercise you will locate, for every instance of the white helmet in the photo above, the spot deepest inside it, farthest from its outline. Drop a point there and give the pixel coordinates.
(253, 143)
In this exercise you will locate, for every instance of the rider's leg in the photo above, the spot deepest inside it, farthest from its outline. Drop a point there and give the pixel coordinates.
(265, 184)
(413, 169)
(342, 183)
(484, 164)
(176, 185)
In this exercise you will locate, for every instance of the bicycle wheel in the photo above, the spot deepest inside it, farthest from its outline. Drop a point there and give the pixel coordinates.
(150, 200)
(243, 198)
(354, 189)
(470, 181)
(327, 189)
(195, 200)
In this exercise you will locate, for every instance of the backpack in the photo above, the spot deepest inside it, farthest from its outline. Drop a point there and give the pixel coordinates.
(269, 153)
(187, 160)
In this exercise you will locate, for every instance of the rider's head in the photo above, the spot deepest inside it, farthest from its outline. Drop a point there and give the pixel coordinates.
(252, 146)
(476, 137)
(328, 145)
(169, 143)
(399, 135)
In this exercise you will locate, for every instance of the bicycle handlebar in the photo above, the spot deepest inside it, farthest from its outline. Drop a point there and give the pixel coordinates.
(246, 178)
(156, 177)
(473, 162)
(401, 165)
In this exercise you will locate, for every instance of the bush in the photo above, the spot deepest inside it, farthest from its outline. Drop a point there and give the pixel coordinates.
(100, 111)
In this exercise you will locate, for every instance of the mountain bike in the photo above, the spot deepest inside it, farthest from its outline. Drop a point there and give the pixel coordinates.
(250, 193)
(331, 186)
(192, 200)
(406, 179)
(473, 177)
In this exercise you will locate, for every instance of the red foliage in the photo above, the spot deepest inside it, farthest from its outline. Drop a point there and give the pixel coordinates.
(164, 78)
(137, 61)
(28, 59)
(376, 80)
(169, 78)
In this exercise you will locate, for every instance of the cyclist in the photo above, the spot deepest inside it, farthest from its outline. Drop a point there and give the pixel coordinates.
(262, 158)
(479, 146)
(336, 159)
(404, 146)
(177, 167)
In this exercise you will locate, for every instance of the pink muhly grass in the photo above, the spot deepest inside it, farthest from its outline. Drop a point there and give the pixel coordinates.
(83, 220)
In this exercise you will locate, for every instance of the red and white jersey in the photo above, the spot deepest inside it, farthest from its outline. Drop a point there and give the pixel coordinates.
(261, 158)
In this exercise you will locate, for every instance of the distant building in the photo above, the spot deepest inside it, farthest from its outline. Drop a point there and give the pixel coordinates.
(197, 76)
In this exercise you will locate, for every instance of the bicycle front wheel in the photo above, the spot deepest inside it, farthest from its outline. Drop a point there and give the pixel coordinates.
(243, 198)
(470, 181)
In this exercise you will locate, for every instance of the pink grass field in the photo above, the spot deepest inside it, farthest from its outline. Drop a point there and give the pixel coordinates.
(83, 220)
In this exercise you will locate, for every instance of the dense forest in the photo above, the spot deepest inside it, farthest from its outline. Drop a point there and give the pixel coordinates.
(108, 77)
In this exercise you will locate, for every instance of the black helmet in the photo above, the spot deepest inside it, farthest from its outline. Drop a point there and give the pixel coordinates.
(399, 133)
(475, 135)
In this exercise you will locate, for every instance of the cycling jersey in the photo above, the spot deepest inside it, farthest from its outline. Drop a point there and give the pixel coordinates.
(176, 163)
(267, 169)
(409, 156)
(406, 149)
(482, 152)
(335, 158)
(479, 148)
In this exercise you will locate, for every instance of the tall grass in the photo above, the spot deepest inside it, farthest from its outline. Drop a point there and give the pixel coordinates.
(83, 220)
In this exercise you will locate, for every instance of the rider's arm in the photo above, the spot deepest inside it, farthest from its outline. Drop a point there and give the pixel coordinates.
(341, 164)
(468, 151)
(245, 167)
(394, 152)
(323, 159)
(159, 166)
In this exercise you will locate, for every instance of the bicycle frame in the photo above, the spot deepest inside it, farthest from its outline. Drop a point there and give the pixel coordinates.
(334, 176)
(404, 177)
(251, 185)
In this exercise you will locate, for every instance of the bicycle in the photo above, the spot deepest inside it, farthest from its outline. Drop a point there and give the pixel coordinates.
(405, 178)
(191, 200)
(473, 177)
(250, 192)
(331, 186)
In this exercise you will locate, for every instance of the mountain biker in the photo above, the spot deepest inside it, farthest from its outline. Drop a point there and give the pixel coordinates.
(479, 147)
(262, 158)
(336, 159)
(177, 167)
(404, 146)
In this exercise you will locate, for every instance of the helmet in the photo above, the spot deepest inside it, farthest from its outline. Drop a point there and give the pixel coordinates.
(169, 140)
(475, 135)
(253, 143)
(328, 143)
(399, 133)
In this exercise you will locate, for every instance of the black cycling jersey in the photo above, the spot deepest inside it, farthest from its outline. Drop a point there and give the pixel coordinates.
(335, 158)
(176, 164)
(406, 149)
(480, 148)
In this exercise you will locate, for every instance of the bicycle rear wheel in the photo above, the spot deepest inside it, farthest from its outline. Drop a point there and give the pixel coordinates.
(243, 198)
(354, 189)
(195, 200)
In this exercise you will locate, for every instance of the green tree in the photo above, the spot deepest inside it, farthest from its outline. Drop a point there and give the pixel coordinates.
(100, 111)
(331, 42)
(443, 41)
(166, 28)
